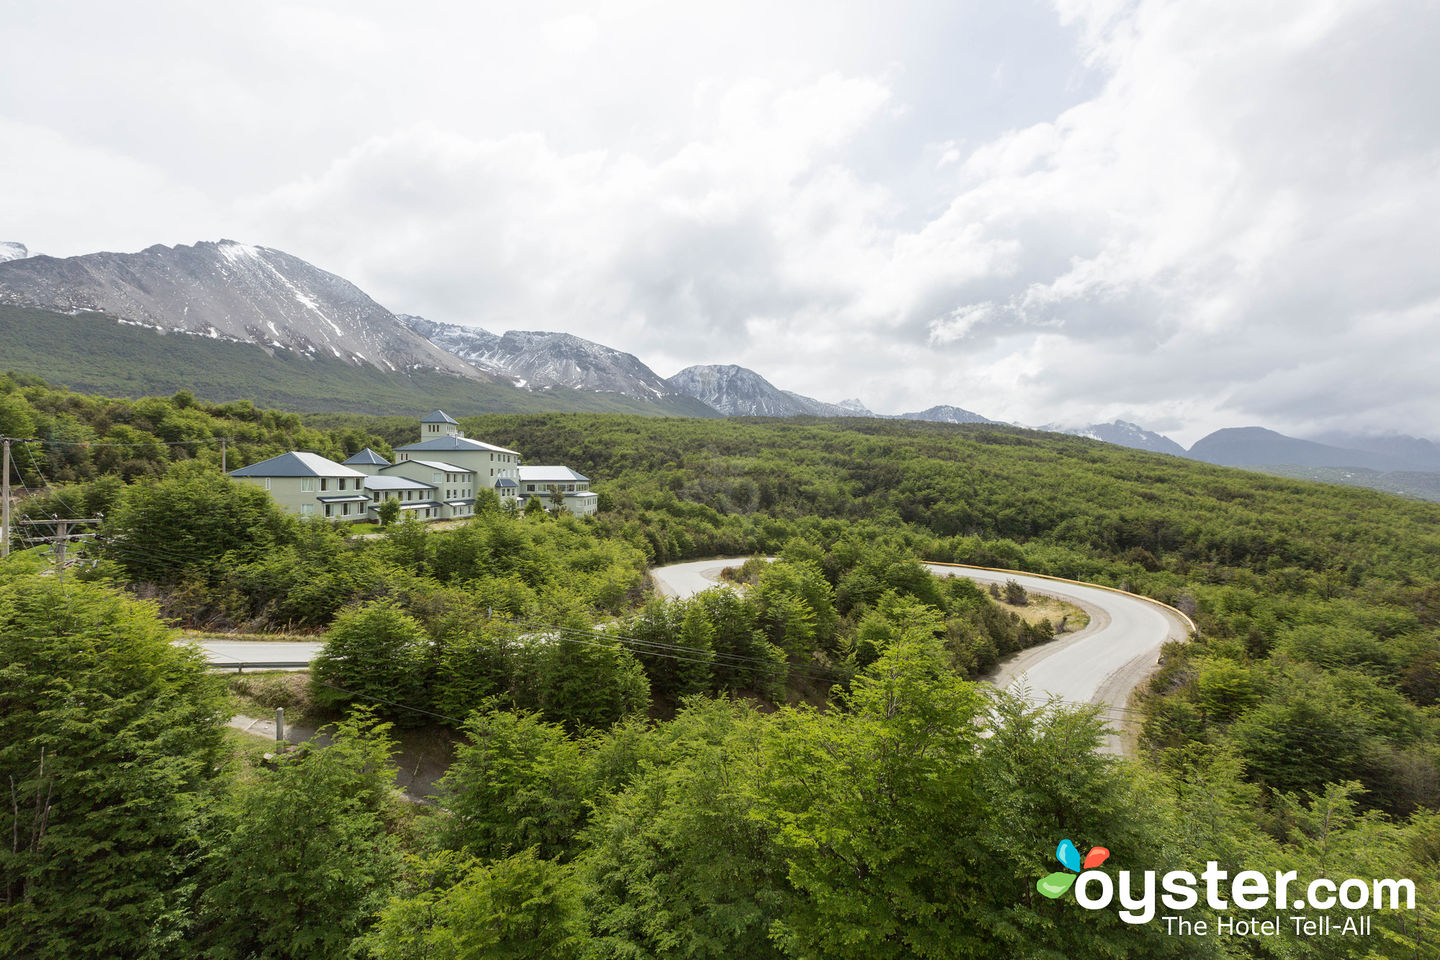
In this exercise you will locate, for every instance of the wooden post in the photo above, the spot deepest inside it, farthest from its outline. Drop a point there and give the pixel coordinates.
(62, 537)
(280, 729)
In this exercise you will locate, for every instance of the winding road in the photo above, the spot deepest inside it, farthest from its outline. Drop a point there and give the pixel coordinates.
(1100, 664)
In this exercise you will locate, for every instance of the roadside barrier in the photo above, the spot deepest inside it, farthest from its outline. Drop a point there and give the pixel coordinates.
(1078, 583)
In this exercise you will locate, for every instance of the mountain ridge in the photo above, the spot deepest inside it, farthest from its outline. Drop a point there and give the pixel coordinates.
(228, 290)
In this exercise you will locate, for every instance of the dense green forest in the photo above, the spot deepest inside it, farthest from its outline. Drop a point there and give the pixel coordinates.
(803, 768)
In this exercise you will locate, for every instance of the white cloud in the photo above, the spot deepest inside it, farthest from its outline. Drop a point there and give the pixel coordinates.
(1196, 215)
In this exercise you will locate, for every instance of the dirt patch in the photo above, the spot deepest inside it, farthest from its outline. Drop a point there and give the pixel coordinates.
(420, 759)
(1041, 607)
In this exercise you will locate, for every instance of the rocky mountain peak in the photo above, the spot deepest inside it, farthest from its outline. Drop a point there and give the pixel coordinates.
(232, 291)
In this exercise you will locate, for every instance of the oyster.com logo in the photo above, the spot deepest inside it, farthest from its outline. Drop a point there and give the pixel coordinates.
(1056, 884)
(1290, 902)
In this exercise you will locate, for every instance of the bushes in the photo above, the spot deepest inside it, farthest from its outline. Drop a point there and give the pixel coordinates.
(374, 654)
(302, 855)
(109, 741)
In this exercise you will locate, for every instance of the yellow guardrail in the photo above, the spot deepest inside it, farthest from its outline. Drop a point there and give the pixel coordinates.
(1078, 583)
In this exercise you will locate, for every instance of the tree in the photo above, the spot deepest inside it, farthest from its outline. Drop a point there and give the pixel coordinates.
(697, 636)
(744, 658)
(109, 737)
(375, 654)
(689, 818)
(517, 782)
(486, 501)
(513, 909)
(533, 507)
(388, 511)
(477, 661)
(557, 499)
(873, 807)
(302, 856)
(17, 417)
(585, 679)
(192, 524)
(797, 607)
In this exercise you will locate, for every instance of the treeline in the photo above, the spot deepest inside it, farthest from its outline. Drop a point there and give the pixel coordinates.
(438, 656)
(84, 437)
(911, 817)
(1298, 731)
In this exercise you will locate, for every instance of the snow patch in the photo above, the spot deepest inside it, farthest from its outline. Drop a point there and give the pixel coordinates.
(238, 252)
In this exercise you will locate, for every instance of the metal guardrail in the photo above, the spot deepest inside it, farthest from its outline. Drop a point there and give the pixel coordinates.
(1079, 583)
(240, 666)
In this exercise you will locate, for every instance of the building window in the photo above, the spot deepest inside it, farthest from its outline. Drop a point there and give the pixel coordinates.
(307, 484)
(327, 509)
(435, 476)
(307, 509)
(267, 483)
(324, 484)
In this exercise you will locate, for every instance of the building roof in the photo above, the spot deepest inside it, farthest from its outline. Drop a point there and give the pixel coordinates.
(395, 483)
(434, 465)
(367, 458)
(438, 416)
(345, 498)
(418, 504)
(506, 482)
(464, 444)
(297, 464)
(582, 493)
(551, 474)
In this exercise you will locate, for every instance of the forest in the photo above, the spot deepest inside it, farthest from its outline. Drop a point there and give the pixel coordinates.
(805, 767)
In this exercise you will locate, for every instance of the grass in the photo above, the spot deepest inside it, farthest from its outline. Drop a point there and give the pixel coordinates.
(258, 694)
(311, 637)
(1041, 607)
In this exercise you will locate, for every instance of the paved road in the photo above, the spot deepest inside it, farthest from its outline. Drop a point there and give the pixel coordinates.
(1100, 664)
(232, 653)
(688, 579)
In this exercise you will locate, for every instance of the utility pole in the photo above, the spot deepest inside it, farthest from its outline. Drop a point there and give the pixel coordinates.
(62, 537)
(5, 503)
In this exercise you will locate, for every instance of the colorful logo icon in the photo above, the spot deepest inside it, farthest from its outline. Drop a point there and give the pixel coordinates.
(1060, 881)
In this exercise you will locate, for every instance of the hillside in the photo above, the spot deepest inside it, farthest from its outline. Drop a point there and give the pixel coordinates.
(1304, 706)
(229, 291)
(95, 354)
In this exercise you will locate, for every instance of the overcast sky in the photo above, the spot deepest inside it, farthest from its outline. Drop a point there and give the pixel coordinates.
(1187, 214)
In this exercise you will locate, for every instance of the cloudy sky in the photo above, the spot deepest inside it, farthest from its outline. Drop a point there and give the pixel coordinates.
(1188, 214)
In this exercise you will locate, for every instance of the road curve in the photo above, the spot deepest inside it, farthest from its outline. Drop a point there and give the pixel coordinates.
(1100, 664)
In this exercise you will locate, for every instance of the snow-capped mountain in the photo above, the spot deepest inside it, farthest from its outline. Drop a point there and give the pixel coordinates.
(231, 291)
(1125, 434)
(738, 392)
(944, 413)
(536, 359)
(10, 250)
